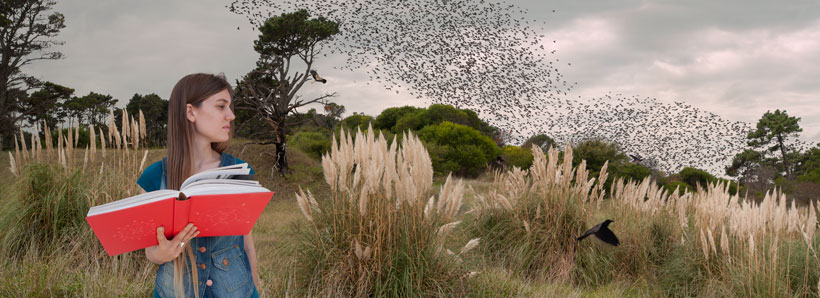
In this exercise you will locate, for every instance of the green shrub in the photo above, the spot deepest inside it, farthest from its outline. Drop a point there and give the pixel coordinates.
(458, 149)
(695, 177)
(596, 152)
(541, 140)
(635, 172)
(406, 118)
(354, 121)
(680, 185)
(388, 118)
(411, 121)
(517, 156)
(314, 143)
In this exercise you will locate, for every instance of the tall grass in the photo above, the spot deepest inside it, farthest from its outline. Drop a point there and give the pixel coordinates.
(530, 218)
(380, 233)
(48, 248)
(708, 243)
(726, 245)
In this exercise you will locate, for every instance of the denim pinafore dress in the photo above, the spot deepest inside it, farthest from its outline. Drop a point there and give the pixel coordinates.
(222, 260)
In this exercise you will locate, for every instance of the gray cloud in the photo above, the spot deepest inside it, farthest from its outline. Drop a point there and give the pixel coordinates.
(737, 59)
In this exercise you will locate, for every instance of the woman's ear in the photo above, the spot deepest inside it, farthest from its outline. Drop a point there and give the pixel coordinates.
(190, 113)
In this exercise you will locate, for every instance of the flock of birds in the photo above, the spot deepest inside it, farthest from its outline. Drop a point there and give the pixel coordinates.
(488, 56)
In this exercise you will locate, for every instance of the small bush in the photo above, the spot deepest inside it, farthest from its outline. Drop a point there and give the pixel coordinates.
(459, 149)
(360, 121)
(314, 143)
(680, 185)
(517, 157)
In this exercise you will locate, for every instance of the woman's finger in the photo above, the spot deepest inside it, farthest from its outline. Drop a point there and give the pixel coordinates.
(161, 235)
(183, 233)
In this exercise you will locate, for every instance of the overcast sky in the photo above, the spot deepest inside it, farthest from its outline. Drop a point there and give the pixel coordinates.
(737, 59)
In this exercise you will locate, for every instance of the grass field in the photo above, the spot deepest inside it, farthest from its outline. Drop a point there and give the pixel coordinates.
(659, 255)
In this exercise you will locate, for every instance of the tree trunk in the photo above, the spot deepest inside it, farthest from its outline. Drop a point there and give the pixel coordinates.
(783, 152)
(281, 149)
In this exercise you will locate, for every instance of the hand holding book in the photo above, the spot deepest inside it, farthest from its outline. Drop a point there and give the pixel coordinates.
(168, 250)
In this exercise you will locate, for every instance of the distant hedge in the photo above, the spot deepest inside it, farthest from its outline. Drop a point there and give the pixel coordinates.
(458, 148)
(517, 157)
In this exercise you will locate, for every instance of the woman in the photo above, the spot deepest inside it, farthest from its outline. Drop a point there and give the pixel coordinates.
(199, 130)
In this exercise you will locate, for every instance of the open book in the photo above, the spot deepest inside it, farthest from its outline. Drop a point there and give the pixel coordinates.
(216, 201)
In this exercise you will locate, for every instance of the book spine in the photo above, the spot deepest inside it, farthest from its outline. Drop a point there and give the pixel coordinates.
(182, 208)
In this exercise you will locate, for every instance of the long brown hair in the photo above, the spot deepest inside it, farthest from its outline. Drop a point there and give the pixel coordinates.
(192, 89)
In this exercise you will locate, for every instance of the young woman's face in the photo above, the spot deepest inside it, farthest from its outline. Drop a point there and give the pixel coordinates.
(212, 119)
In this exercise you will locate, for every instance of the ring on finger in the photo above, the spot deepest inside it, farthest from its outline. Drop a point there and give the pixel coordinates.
(182, 244)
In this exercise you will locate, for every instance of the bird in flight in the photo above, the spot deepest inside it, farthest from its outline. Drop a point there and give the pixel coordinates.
(603, 232)
(316, 77)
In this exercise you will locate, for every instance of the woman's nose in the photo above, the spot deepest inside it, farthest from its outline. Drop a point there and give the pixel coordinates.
(230, 116)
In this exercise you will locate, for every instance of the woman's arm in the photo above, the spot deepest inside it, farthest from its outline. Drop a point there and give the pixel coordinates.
(251, 251)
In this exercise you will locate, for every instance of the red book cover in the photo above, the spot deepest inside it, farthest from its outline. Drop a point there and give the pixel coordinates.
(129, 228)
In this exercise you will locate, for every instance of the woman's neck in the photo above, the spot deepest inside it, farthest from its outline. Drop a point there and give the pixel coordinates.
(204, 157)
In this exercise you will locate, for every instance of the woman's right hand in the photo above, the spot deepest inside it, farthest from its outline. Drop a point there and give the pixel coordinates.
(168, 250)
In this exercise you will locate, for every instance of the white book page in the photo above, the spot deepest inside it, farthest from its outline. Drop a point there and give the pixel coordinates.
(227, 183)
(133, 201)
(218, 173)
(223, 188)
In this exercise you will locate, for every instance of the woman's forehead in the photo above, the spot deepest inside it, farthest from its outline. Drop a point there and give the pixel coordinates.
(222, 96)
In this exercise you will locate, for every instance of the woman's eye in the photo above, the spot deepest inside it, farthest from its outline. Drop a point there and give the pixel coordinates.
(221, 107)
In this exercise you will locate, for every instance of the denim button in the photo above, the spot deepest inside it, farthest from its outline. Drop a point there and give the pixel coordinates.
(209, 283)
(202, 249)
(202, 266)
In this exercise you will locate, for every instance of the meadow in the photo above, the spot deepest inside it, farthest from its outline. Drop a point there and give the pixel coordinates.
(371, 219)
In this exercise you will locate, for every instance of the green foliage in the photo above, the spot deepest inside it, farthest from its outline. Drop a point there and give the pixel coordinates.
(458, 148)
(51, 203)
(744, 162)
(155, 111)
(407, 118)
(517, 157)
(290, 33)
(810, 171)
(46, 104)
(82, 141)
(437, 113)
(27, 31)
(314, 143)
(695, 177)
(596, 152)
(541, 140)
(92, 108)
(775, 128)
(250, 125)
(680, 185)
(411, 121)
(354, 121)
(633, 171)
(388, 118)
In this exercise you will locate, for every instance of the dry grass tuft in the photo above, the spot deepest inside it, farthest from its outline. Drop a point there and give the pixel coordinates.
(379, 221)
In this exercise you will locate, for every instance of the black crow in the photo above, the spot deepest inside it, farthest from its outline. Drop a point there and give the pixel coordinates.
(602, 231)
(316, 77)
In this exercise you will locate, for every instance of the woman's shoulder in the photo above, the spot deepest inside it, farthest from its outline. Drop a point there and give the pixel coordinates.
(149, 180)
